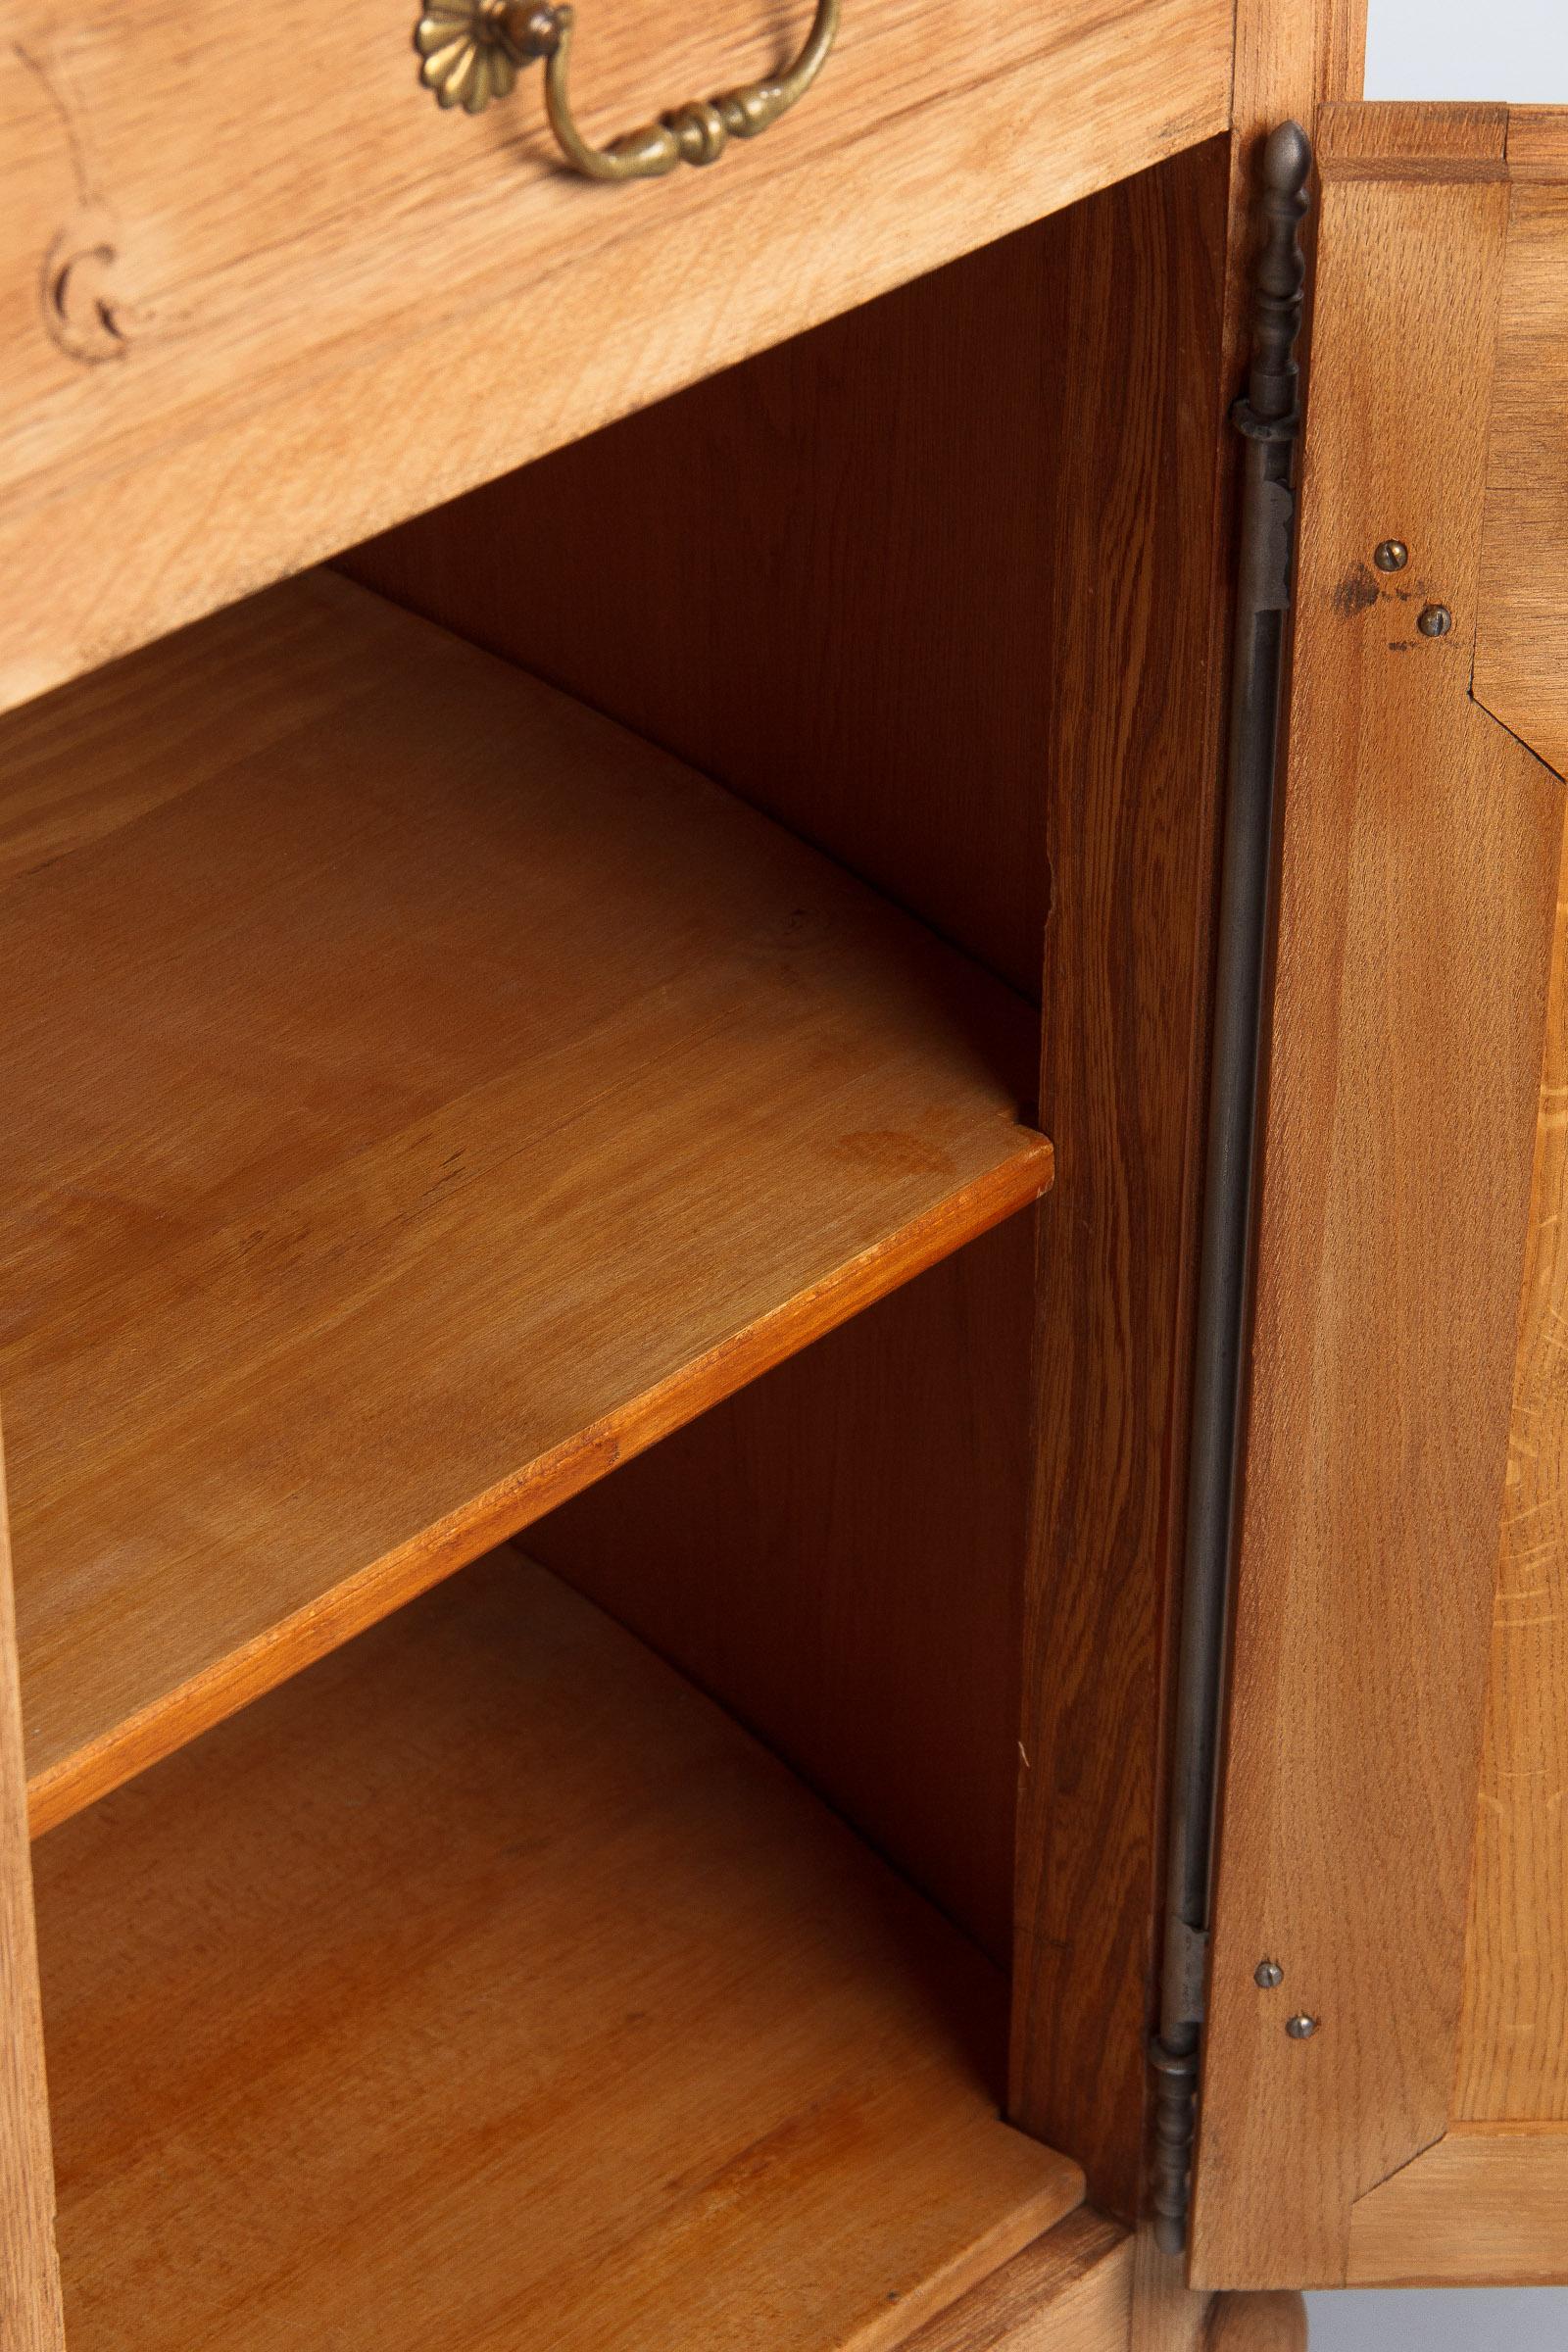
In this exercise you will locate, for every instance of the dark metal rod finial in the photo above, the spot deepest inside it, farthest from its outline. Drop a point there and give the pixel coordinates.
(1269, 418)
(1280, 274)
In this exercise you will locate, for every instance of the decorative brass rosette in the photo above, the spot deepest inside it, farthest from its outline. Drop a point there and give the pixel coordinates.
(472, 48)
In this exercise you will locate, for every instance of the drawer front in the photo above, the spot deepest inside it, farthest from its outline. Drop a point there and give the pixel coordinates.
(258, 295)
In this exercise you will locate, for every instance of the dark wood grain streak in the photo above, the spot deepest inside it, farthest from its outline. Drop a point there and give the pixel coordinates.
(1132, 777)
(845, 625)
(837, 1551)
(817, 577)
(937, 586)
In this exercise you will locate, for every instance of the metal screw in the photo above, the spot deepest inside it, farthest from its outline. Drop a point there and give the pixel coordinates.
(1302, 2027)
(1434, 620)
(1268, 1976)
(1391, 556)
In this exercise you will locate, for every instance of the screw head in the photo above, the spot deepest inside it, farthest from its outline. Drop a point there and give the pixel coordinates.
(1434, 620)
(1392, 554)
(1300, 2027)
(1268, 1976)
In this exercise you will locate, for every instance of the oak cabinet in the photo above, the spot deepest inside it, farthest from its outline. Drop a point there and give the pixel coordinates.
(611, 1319)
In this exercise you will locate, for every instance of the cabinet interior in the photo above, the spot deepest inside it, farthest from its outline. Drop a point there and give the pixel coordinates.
(539, 1028)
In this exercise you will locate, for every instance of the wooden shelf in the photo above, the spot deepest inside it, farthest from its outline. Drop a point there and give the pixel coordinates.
(486, 1986)
(420, 1095)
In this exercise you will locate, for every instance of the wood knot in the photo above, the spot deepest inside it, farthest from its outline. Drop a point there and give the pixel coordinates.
(83, 311)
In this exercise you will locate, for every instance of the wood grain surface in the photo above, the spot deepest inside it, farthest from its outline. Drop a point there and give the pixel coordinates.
(1162, 289)
(836, 1553)
(867, 648)
(1130, 579)
(244, 249)
(1520, 674)
(946, 638)
(839, 1557)
(1482, 2208)
(1168, 2316)
(1272, 2321)
(29, 2277)
(1070, 2291)
(1513, 2045)
(1291, 61)
(438, 1098)
(487, 1985)
(1023, 723)
(1287, 63)
(1513, 2056)
(1419, 878)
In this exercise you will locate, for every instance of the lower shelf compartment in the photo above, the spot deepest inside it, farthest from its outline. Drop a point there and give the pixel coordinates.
(485, 1986)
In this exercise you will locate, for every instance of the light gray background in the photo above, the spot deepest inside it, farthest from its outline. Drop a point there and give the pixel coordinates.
(1515, 50)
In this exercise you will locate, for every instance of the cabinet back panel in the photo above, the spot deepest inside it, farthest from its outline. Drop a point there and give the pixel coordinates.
(837, 1552)
(817, 577)
(934, 584)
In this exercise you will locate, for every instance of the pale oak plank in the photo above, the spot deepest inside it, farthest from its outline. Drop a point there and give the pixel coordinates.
(1070, 2291)
(1481, 2208)
(323, 285)
(1513, 2043)
(1272, 2321)
(487, 1987)
(1420, 858)
(428, 1107)
(1519, 670)
(1168, 2315)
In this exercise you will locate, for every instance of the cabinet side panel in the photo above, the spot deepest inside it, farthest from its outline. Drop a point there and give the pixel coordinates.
(1419, 875)
(1132, 782)
(29, 2277)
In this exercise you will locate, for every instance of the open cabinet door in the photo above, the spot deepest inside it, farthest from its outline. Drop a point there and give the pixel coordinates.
(29, 2277)
(1393, 1824)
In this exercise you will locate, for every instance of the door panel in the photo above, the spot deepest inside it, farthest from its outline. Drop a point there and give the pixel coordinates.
(1480, 2208)
(1521, 671)
(1421, 850)
(1513, 2040)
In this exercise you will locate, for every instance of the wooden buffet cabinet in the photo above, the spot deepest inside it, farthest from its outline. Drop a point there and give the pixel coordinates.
(545, 1029)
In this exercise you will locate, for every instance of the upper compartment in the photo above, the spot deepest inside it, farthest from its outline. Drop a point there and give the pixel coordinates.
(260, 297)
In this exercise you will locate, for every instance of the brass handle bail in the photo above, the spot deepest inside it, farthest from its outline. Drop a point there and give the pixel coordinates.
(473, 50)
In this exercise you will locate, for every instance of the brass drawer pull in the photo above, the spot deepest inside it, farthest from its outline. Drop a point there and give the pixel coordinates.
(473, 49)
